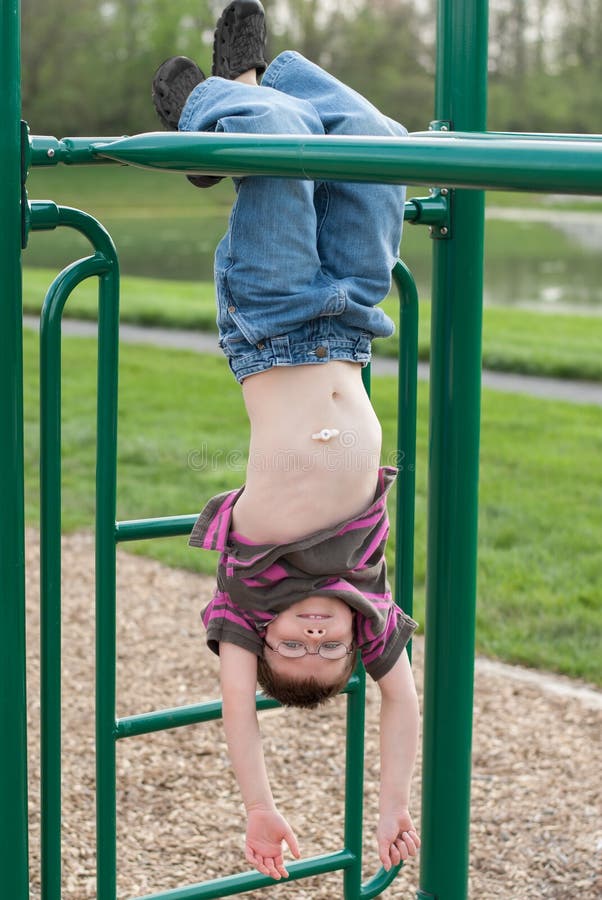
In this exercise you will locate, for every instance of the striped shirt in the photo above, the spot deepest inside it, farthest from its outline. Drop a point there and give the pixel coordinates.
(257, 581)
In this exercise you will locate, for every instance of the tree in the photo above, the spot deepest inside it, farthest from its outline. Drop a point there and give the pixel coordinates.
(381, 48)
(87, 67)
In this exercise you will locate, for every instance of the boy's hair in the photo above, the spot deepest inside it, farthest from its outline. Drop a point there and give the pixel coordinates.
(306, 693)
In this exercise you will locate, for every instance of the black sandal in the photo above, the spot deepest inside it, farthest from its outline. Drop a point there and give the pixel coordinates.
(239, 41)
(173, 83)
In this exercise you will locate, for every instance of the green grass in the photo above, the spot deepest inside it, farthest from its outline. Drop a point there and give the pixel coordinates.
(143, 301)
(162, 227)
(183, 437)
(165, 229)
(563, 345)
(520, 200)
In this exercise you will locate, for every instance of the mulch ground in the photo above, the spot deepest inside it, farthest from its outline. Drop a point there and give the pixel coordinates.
(536, 826)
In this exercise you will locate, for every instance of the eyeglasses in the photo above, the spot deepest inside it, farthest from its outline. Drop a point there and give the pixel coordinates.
(327, 650)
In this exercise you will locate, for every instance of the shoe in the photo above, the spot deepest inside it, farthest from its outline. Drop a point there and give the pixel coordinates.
(173, 83)
(239, 41)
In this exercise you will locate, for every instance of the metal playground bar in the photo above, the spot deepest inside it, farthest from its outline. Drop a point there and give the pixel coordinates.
(459, 159)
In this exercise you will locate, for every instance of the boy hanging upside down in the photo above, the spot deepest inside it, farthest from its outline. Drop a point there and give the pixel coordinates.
(301, 581)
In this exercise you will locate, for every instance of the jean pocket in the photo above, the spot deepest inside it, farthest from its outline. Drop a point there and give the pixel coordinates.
(236, 347)
(231, 325)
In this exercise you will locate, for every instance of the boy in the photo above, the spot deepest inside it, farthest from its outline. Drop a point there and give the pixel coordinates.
(301, 583)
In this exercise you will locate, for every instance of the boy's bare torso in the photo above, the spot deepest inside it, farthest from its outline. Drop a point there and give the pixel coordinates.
(296, 484)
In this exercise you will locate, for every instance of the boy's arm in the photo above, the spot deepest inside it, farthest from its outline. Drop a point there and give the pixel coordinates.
(399, 722)
(266, 828)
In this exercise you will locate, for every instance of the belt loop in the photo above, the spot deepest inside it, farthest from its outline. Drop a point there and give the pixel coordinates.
(281, 349)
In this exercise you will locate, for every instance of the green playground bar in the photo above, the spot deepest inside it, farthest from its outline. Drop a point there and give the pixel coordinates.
(512, 162)
(458, 159)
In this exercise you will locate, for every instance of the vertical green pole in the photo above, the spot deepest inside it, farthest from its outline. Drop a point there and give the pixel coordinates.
(103, 264)
(13, 713)
(106, 490)
(50, 556)
(354, 761)
(461, 89)
(354, 784)
(406, 437)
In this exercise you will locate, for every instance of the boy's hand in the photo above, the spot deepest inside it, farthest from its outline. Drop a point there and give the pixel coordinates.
(266, 830)
(397, 838)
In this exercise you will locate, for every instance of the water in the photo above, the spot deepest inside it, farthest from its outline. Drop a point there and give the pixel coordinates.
(561, 269)
(538, 257)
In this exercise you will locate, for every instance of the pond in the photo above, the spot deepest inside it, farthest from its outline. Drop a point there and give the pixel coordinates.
(541, 256)
(546, 259)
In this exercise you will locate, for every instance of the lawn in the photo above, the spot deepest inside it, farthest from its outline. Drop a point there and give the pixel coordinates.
(564, 345)
(165, 229)
(183, 437)
(166, 233)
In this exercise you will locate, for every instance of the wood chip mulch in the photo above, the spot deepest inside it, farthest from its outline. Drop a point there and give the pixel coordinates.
(536, 824)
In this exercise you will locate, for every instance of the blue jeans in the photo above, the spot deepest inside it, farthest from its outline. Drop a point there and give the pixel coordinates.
(303, 264)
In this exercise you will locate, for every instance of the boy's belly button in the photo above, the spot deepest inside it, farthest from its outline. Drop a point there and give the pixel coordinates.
(325, 434)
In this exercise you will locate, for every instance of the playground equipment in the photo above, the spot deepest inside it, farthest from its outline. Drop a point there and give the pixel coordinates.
(459, 157)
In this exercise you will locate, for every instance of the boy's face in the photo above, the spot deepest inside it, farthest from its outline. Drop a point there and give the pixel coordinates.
(312, 622)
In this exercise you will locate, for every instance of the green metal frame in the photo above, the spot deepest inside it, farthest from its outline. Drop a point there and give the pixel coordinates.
(103, 264)
(457, 154)
(13, 708)
(512, 162)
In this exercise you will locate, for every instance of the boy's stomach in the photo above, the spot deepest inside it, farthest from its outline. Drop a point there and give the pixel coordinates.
(297, 484)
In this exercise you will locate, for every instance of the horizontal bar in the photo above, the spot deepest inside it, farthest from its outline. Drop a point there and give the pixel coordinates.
(510, 135)
(179, 716)
(46, 150)
(507, 163)
(248, 881)
(44, 215)
(450, 159)
(145, 529)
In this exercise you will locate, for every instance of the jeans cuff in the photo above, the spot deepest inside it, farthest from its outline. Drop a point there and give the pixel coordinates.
(274, 70)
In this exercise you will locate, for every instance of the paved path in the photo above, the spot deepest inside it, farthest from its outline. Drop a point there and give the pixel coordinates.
(546, 682)
(586, 392)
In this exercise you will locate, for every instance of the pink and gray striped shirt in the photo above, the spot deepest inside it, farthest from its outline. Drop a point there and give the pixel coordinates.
(257, 581)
